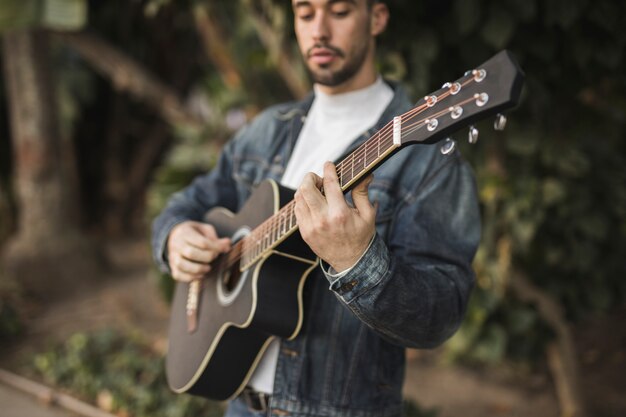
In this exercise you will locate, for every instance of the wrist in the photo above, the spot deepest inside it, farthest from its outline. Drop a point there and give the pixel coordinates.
(340, 267)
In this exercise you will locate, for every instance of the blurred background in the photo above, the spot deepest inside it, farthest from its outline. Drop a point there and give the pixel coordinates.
(107, 107)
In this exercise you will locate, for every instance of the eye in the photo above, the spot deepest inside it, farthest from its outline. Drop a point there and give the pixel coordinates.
(305, 13)
(306, 17)
(340, 12)
(340, 9)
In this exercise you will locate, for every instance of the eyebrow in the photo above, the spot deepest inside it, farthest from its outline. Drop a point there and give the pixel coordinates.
(303, 3)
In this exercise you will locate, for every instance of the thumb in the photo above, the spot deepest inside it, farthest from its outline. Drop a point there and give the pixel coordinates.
(224, 244)
(209, 232)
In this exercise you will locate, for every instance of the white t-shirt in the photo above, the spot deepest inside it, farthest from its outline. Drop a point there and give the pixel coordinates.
(333, 123)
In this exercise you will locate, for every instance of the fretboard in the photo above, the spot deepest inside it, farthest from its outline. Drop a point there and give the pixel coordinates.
(353, 167)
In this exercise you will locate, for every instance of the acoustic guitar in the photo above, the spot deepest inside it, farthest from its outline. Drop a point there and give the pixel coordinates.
(222, 324)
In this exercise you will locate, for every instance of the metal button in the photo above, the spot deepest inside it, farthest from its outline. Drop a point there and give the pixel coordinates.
(348, 286)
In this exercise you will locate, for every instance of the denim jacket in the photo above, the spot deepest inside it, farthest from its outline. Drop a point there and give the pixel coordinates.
(410, 289)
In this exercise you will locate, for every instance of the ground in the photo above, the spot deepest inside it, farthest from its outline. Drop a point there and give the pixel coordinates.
(127, 297)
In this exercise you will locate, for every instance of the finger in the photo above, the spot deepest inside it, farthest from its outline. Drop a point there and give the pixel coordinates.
(332, 189)
(204, 237)
(185, 270)
(181, 276)
(194, 254)
(360, 197)
(301, 209)
(200, 235)
(310, 193)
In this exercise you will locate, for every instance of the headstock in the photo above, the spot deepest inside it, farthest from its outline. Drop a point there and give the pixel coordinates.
(490, 89)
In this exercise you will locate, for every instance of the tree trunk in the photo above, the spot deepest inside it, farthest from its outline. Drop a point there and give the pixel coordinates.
(129, 75)
(48, 251)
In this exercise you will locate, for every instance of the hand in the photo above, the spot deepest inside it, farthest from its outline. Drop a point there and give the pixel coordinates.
(191, 247)
(337, 233)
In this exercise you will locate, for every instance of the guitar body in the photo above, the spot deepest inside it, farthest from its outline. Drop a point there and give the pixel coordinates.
(239, 313)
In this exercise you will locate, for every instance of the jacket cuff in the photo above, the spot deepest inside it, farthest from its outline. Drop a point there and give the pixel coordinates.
(364, 275)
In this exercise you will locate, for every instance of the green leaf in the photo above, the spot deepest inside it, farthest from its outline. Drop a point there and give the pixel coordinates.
(492, 346)
(553, 191)
(523, 143)
(17, 14)
(521, 320)
(594, 227)
(573, 163)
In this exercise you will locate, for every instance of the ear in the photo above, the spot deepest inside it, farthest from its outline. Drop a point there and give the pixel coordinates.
(379, 18)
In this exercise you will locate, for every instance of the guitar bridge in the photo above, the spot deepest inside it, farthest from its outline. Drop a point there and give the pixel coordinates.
(193, 298)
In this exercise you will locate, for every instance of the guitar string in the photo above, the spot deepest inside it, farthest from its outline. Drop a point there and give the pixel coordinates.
(409, 115)
(268, 229)
(273, 226)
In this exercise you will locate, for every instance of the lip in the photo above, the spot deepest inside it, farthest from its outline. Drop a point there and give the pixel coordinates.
(322, 56)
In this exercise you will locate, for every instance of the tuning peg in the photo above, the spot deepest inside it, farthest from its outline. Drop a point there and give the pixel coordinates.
(472, 136)
(448, 146)
(500, 122)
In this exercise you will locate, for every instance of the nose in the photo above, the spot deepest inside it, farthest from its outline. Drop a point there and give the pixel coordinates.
(321, 30)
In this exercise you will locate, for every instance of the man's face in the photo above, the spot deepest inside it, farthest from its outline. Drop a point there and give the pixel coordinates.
(335, 38)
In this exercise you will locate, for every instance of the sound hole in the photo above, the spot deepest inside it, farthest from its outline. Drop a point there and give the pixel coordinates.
(231, 277)
(231, 280)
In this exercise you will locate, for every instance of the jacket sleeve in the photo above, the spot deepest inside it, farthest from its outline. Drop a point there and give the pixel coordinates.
(413, 286)
(216, 188)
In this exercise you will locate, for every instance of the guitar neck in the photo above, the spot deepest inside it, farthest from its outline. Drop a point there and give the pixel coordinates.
(369, 155)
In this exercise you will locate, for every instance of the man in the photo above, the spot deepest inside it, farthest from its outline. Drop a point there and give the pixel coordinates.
(393, 274)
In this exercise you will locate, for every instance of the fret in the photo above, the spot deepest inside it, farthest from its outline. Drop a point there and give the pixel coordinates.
(365, 155)
(273, 230)
(257, 246)
(245, 249)
(359, 163)
(339, 166)
(352, 167)
(270, 234)
(371, 155)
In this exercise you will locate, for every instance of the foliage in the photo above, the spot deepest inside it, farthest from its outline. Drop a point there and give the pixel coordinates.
(122, 374)
(119, 373)
(10, 322)
(51, 14)
(551, 186)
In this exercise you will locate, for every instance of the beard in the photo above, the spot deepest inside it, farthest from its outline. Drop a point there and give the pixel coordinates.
(324, 75)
